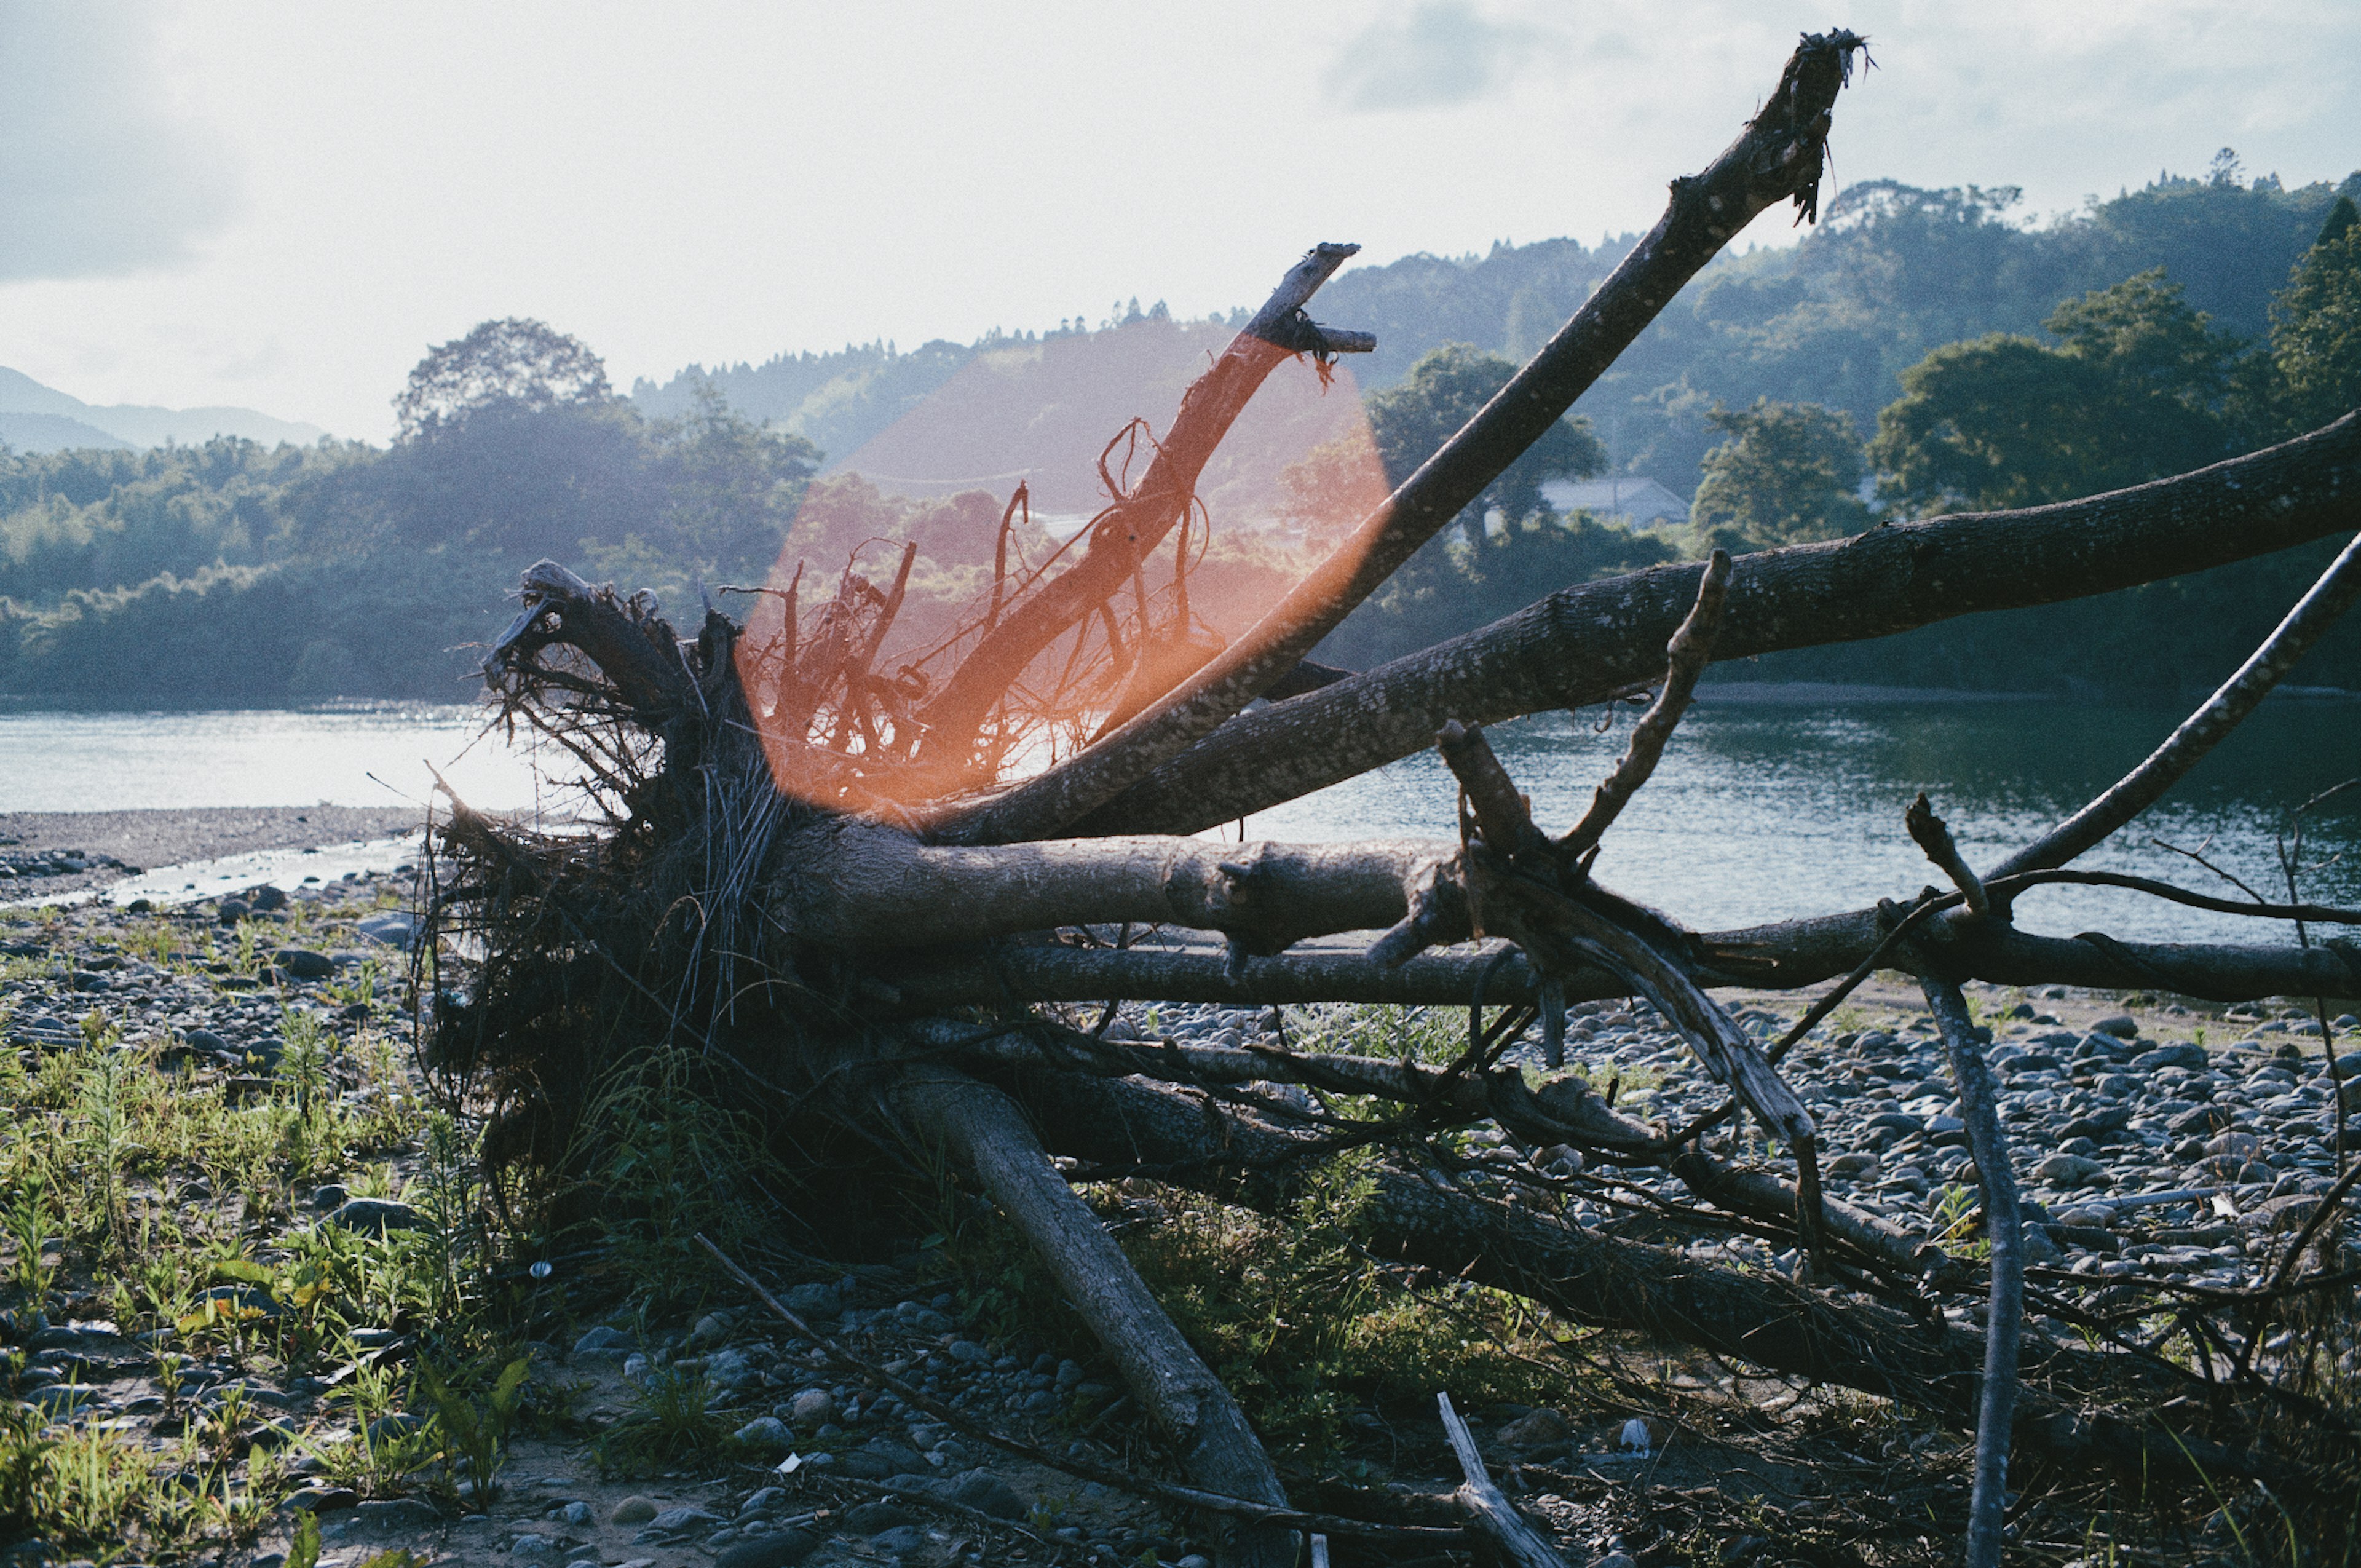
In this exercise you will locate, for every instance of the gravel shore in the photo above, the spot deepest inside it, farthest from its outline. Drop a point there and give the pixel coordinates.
(2157, 1142)
(44, 852)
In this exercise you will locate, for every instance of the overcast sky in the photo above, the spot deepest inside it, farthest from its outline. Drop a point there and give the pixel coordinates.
(283, 205)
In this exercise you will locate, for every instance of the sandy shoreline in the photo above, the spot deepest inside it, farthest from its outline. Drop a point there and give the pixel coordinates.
(147, 839)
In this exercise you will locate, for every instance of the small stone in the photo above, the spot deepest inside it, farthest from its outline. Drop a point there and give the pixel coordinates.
(377, 1215)
(603, 1342)
(633, 1509)
(868, 1518)
(988, 1494)
(711, 1328)
(905, 1540)
(765, 1435)
(233, 910)
(304, 964)
(763, 1501)
(2121, 1025)
(2069, 1170)
(812, 1408)
(534, 1546)
(393, 928)
(2182, 1053)
(1533, 1429)
(577, 1513)
(393, 1513)
(680, 1518)
(775, 1551)
(1615, 1560)
(265, 898)
(811, 1301)
(331, 1196)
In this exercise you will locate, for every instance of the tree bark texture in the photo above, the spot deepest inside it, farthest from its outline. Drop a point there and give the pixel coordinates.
(1220, 1450)
(1778, 156)
(1587, 643)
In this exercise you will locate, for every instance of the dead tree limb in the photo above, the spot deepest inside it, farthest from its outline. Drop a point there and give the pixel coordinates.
(1778, 156)
(1139, 521)
(2004, 1323)
(2198, 734)
(1587, 643)
(1187, 1401)
(1686, 656)
(859, 885)
(2073, 1399)
(1516, 1543)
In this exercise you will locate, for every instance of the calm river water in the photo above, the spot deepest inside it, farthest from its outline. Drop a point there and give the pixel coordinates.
(1760, 810)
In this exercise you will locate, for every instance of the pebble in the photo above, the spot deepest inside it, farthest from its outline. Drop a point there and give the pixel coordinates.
(633, 1509)
(376, 1215)
(603, 1342)
(777, 1550)
(766, 1434)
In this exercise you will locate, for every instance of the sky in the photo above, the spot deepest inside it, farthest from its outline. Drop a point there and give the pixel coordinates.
(284, 206)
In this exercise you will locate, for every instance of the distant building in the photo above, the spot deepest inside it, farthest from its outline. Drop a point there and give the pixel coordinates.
(1624, 498)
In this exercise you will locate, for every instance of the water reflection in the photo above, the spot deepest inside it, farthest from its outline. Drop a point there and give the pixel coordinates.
(1757, 813)
(1763, 812)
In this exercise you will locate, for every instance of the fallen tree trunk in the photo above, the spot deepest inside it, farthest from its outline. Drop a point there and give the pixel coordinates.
(2073, 1397)
(1587, 643)
(1186, 1400)
(776, 906)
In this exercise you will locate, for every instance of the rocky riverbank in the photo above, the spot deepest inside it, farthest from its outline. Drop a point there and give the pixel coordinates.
(264, 1110)
(44, 853)
(2179, 1143)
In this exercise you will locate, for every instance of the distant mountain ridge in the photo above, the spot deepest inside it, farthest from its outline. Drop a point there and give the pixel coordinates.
(37, 418)
(1893, 272)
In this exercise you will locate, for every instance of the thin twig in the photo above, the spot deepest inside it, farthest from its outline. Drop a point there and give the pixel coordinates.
(1979, 1108)
(1138, 1486)
(2202, 731)
(1686, 656)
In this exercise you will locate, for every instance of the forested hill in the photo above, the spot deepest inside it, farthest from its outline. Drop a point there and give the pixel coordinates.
(1890, 273)
(1920, 351)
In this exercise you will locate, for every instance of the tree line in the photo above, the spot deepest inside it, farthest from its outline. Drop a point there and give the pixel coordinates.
(231, 573)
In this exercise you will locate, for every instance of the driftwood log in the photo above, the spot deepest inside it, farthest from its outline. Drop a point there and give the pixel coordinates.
(834, 890)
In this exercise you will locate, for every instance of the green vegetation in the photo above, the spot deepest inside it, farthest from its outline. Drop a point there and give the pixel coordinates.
(228, 576)
(1997, 362)
(158, 1198)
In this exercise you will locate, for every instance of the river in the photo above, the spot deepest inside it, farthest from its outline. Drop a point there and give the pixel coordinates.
(1762, 809)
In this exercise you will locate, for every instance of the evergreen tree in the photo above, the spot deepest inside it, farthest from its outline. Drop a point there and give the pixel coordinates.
(1792, 473)
(2316, 325)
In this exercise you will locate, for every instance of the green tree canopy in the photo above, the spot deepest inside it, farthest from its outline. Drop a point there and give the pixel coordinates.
(2132, 391)
(1410, 420)
(1792, 473)
(2316, 324)
(515, 364)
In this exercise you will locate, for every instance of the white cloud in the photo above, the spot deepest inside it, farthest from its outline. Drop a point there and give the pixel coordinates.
(100, 175)
(1439, 53)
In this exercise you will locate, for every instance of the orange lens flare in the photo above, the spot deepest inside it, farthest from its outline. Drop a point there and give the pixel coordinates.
(968, 509)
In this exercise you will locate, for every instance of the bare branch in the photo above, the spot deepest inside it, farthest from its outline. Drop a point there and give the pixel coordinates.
(1777, 157)
(1688, 654)
(1979, 1108)
(1587, 643)
(1138, 522)
(1189, 1403)
(1934, 836)
(2202, 731)
(1516, 1543)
